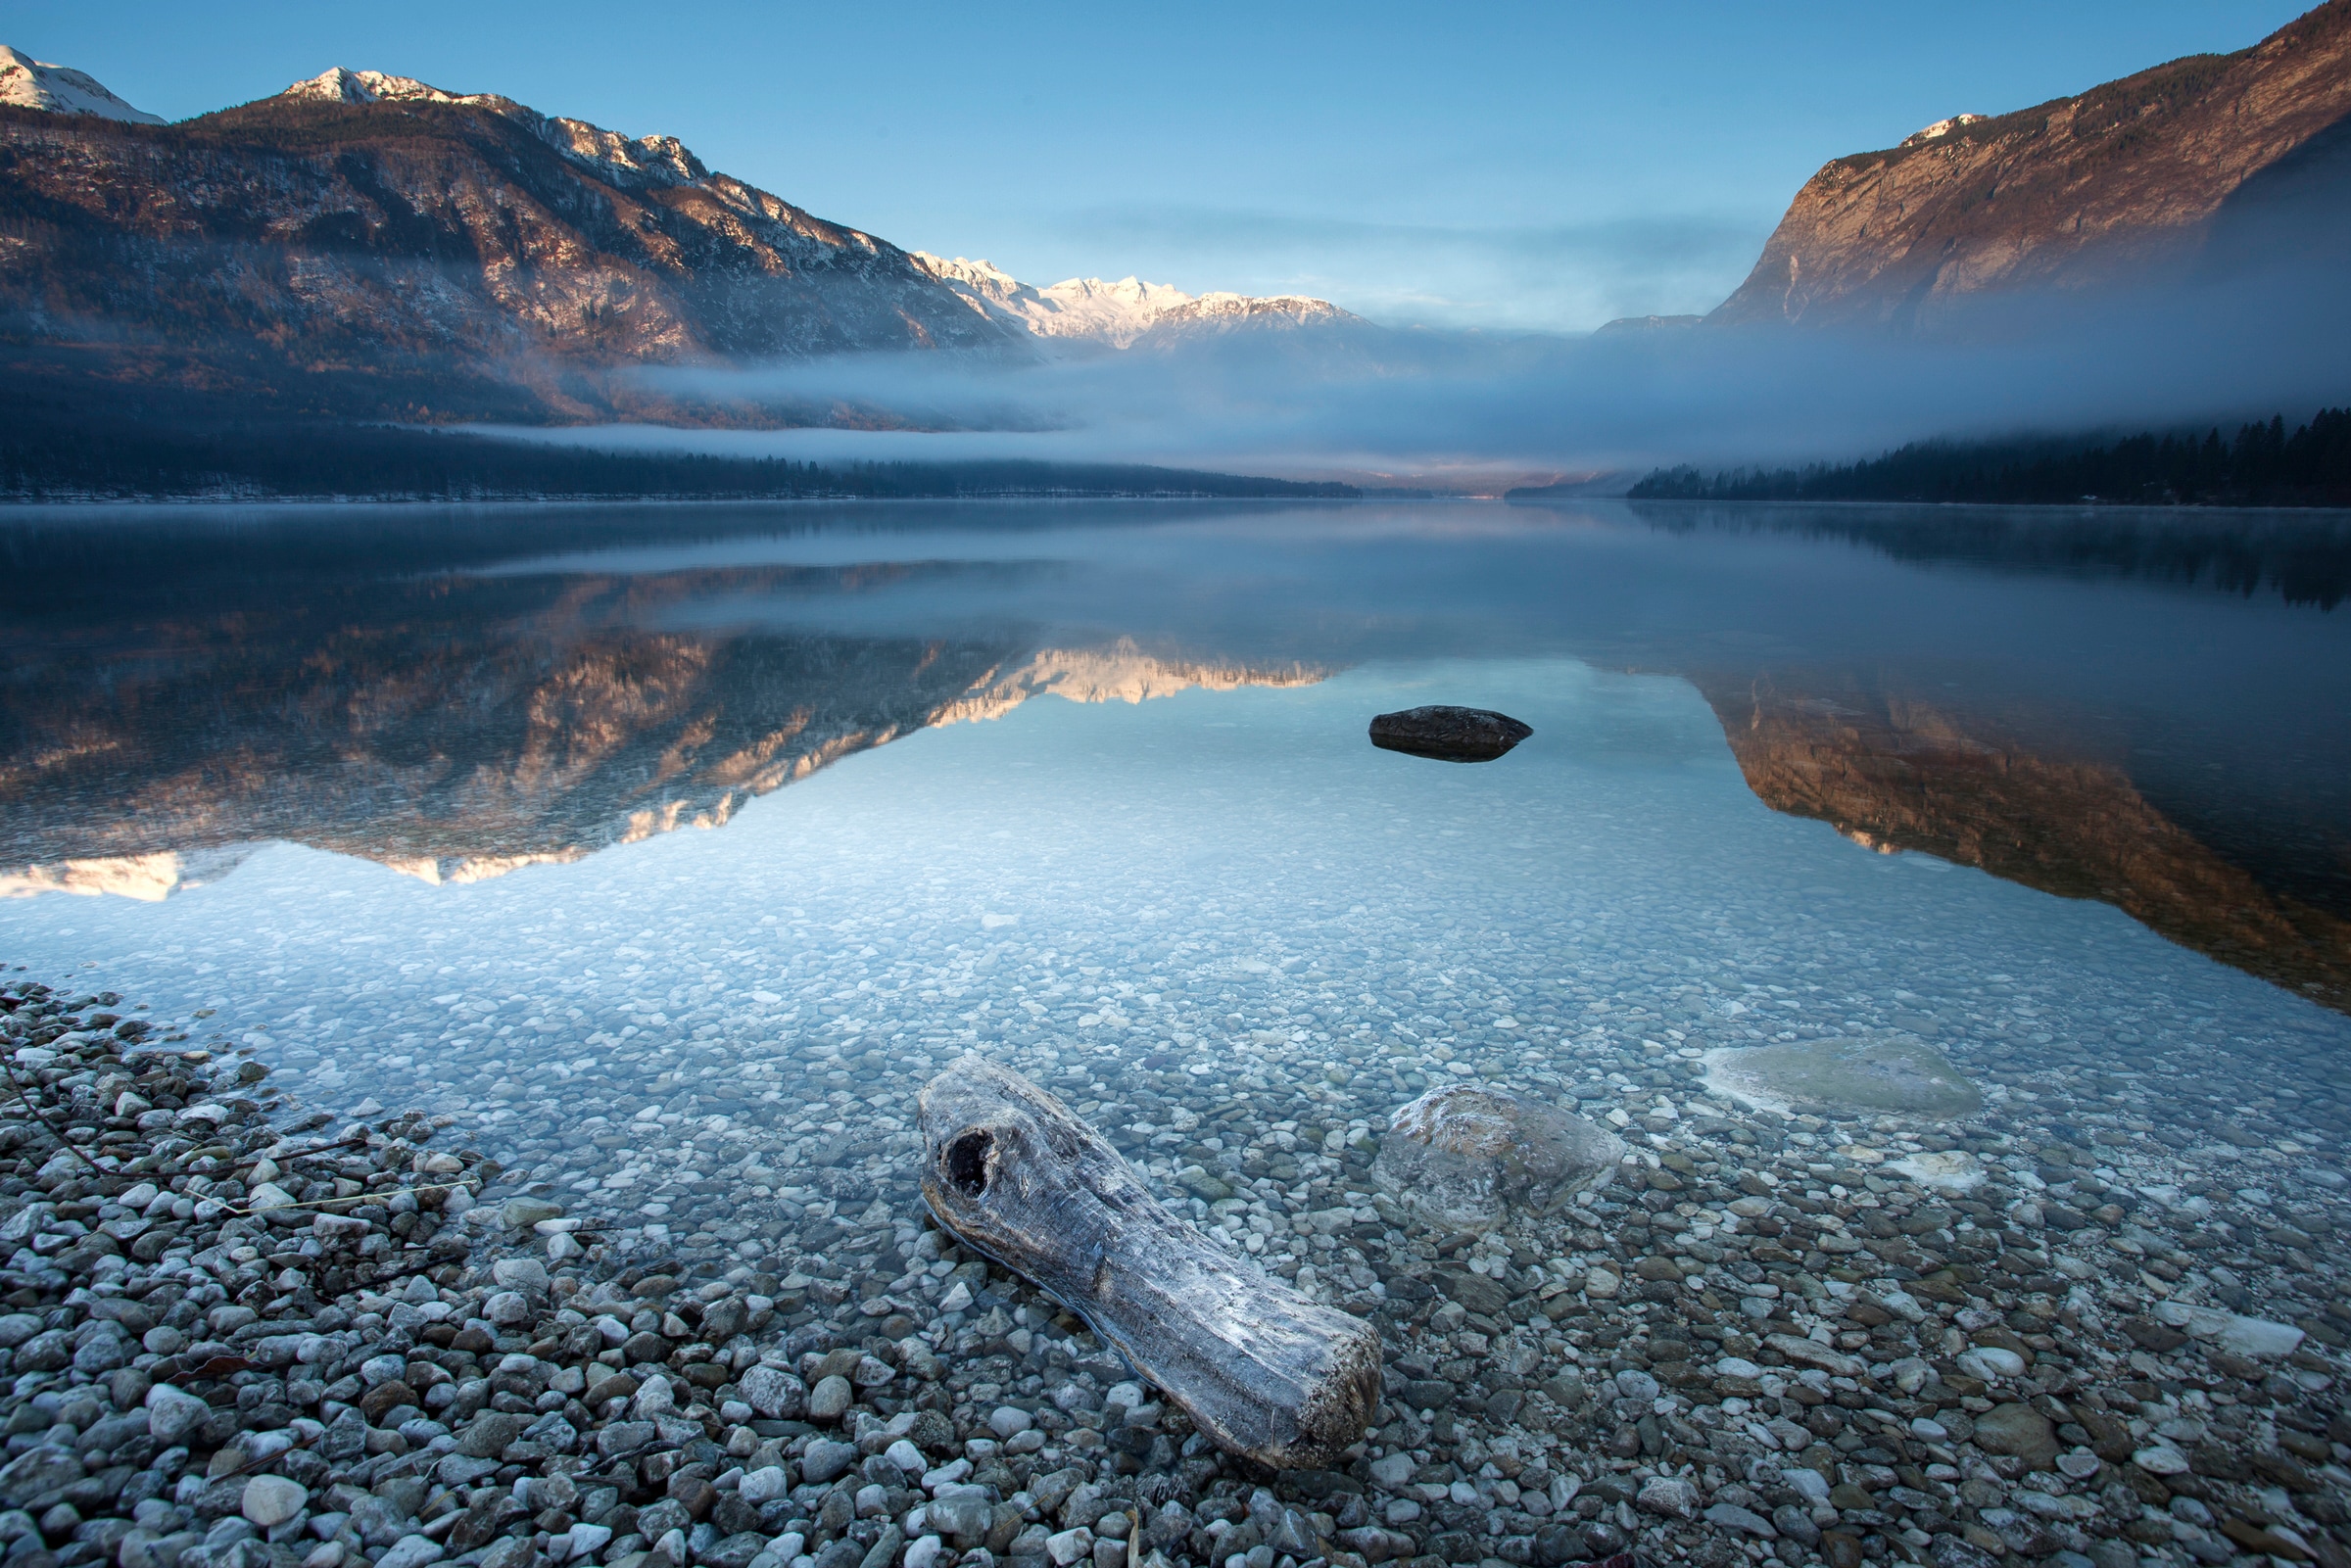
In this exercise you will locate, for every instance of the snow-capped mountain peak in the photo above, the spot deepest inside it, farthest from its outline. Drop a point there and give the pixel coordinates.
(1119, 313)
(1129, 293)
(657, 159)
(985, 276)
(1298, 310)
(341, 87)
(30, 83)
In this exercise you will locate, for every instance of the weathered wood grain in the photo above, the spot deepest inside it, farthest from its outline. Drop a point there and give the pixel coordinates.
(1261, 1369)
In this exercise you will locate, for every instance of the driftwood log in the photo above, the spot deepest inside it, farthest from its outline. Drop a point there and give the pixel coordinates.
(1448, 734)
(1261, 1369)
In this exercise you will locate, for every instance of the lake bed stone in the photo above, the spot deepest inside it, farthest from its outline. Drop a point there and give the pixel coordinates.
(2018, 1430)
(1889, 1074)
(270, 1501)
(1463, 1153)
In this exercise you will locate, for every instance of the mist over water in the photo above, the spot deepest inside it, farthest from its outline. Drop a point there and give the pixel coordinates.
(1359, 400)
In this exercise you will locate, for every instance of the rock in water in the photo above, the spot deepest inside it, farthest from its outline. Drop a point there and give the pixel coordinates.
(2256, 1337)
(2019, 1430)
(1897, 1075)
(1953, 1171)
(1450, 735)
(1462, 1153)
(1264, 1371)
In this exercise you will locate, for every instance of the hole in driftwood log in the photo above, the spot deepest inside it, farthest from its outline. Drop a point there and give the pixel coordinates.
(1261, 1370)
(967, 1163)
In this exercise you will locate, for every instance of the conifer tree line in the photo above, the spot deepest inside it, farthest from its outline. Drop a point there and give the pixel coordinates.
(2262, 465)
(78, 458)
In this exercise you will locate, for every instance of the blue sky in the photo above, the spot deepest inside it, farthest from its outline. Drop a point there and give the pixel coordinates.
(1501, 166)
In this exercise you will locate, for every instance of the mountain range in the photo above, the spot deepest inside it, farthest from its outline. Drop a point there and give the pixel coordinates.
(366, 245)
(363, 244)
(1125, 312)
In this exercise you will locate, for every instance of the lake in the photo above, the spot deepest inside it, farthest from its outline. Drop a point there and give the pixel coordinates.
(664, 852)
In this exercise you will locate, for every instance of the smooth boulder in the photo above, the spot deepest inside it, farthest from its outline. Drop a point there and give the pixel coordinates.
(2257, 1337)
(1464, 1153)
(1449, 734)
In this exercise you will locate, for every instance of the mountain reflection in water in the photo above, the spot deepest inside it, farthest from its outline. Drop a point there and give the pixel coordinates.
(1893, 771)
(458, 728)
(2137, 708)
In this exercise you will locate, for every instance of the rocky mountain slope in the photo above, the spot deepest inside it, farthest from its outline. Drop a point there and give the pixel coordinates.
(378, 245)
(30, 83)
(2213, 161)
(365, 244)
(1124, 314)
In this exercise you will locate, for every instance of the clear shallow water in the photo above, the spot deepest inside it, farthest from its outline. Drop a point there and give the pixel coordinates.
(1216, 893)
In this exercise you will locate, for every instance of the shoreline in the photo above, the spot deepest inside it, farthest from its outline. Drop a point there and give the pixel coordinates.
(1885, 1372)
(660, 498)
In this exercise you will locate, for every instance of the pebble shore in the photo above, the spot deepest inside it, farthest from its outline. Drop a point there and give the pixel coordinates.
(238, 1332)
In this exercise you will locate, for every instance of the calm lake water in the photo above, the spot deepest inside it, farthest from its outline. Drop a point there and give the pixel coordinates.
(668, 849)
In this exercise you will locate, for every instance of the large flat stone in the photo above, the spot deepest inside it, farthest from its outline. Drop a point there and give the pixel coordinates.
(2019, 1430)
(1892, 1074)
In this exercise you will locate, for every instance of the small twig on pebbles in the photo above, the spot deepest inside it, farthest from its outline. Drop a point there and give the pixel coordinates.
(42, 1117)
(355, 1141)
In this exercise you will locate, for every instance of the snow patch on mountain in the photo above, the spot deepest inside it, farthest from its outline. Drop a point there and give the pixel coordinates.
(340, 86)
(1939, 129)
(1120, 314)
(1222, 311)
(30, 83)
(1077, 308)
(640, 161)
